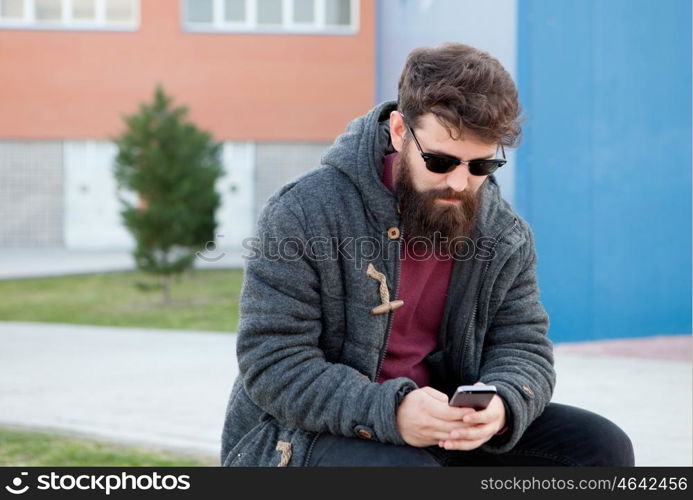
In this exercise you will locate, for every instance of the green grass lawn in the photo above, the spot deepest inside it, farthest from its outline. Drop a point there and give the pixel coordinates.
(203, 300)
(28, 448)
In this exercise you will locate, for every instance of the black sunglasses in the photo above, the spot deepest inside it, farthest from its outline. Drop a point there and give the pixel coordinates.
(443, 164)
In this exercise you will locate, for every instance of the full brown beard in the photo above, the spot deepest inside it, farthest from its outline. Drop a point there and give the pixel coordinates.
(423, 217)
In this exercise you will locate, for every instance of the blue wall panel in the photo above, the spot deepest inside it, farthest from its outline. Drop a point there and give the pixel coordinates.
(604, 174)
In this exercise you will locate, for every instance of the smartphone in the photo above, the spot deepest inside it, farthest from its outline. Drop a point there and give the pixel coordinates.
(473, 396)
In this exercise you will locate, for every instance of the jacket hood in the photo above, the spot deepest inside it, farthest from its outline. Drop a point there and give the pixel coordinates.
(358, 153)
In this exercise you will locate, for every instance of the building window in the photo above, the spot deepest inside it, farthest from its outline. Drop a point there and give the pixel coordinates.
(83, 10)
(200, 11)
(48, 10)
(337, 12)
(234, 11)
(70, 14)
(12, 9)
(304, 11)
(269, 12)
(271, 16)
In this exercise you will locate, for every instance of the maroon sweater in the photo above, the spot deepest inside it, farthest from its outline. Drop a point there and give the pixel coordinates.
(423, 287)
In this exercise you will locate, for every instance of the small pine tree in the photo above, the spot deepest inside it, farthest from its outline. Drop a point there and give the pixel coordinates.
(173, 167)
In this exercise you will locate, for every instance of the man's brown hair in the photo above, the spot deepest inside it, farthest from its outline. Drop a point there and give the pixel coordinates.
(465, 88)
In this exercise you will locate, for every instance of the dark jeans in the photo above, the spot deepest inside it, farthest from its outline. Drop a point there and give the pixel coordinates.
(561, 435)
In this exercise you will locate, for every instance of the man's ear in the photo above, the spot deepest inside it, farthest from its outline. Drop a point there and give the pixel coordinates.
(397, 130)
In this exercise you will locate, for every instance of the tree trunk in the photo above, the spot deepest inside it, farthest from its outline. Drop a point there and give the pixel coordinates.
(165, 287)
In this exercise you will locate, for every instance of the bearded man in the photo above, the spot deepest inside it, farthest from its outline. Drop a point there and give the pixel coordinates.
(348, 354)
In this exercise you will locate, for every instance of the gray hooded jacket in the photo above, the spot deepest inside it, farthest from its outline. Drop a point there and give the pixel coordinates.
(310, 345)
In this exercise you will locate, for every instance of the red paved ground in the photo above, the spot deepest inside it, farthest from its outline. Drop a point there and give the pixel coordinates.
(668, 347)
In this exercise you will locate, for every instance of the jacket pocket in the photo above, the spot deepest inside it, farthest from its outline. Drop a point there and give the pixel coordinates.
(291, 446)
(270, 444)
(244, 454)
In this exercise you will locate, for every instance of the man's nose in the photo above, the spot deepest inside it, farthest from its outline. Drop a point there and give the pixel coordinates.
(458, 178)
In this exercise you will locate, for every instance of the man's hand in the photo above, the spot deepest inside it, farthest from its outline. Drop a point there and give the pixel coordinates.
(477, 426)
(424, 417)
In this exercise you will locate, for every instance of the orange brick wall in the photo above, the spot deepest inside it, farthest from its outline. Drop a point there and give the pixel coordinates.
(77, 85)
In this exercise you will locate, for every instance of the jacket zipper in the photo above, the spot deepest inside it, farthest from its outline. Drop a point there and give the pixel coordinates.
(476, 301)
(306, 462)
(390, 318)
(390, 314)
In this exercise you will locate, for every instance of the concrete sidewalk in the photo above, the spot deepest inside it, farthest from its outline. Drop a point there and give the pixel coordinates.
(156, 387)
(168, 388)
(40, 262)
